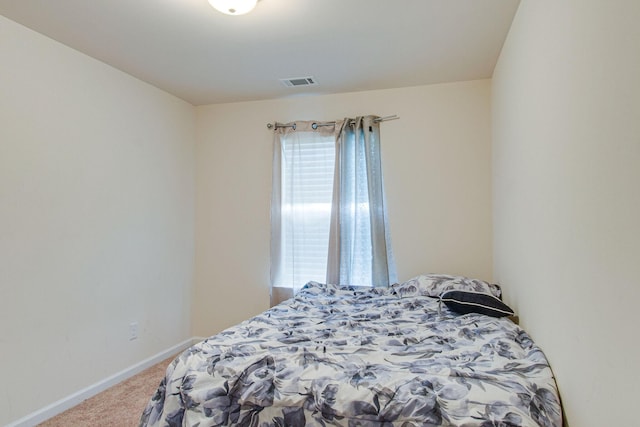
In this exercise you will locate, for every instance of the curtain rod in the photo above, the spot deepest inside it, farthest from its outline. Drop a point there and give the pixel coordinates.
(316, 125)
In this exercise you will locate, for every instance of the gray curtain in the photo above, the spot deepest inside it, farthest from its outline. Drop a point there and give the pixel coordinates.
(359, 243)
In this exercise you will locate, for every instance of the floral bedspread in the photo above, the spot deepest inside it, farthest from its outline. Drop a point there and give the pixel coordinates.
(343, 356)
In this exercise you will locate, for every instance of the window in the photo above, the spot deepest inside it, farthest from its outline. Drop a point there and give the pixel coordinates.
(307, 186)
(328, 217)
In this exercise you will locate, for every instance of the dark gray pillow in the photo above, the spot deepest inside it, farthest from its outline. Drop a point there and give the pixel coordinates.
(475, 302)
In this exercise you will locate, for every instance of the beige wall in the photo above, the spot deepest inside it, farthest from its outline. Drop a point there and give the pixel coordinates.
(436, 161)
(566, 178)
(96, 220)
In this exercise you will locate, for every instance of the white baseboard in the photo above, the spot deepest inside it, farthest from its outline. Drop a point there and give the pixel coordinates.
(72, 400)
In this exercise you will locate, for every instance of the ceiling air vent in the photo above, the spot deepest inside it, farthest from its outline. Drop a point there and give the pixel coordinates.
(299, 81)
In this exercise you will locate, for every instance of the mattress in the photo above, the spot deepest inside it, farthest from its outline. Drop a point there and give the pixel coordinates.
(348, 356)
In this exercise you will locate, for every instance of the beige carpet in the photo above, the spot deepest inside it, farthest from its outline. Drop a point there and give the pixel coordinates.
(118, 406)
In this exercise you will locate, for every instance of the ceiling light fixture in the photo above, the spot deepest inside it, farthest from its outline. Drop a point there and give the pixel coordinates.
(234, 7)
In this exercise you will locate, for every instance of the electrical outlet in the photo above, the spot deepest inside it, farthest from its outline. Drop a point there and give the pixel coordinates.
(133, 331)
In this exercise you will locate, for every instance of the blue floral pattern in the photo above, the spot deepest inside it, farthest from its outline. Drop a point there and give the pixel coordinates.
(434, 285)
(345, 356)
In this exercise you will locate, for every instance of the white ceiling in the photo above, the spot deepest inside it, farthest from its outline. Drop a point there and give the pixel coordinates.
(202, 56)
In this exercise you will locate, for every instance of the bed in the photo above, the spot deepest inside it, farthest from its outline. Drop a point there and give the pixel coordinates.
(349, 356)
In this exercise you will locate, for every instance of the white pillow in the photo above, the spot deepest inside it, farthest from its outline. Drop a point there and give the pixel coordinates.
(433, 285)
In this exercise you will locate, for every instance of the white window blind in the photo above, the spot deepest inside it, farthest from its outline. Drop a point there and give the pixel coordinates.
(307, 186)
